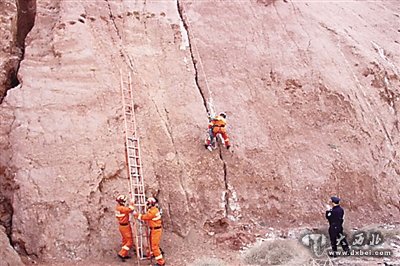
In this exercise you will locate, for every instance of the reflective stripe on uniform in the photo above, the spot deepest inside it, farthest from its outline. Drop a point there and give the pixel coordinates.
(125, 247)
(131, 207)
(158, 217)
(140, 216)
(158, 257)
(119, 215)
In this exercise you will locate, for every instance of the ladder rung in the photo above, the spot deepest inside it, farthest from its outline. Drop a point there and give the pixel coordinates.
(130, 147)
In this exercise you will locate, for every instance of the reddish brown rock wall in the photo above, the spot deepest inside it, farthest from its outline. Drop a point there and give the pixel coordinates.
(312, 109)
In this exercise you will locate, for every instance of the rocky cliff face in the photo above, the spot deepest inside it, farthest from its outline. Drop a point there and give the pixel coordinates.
(311, 97)
(9, 51)
(17, 19)
(8, 255)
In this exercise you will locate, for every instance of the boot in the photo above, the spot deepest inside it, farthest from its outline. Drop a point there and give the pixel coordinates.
(123, 258)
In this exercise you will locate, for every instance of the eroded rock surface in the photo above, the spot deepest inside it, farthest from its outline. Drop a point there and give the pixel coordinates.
(311, 92)
(9, 51)
(8, 255)
(16, 20)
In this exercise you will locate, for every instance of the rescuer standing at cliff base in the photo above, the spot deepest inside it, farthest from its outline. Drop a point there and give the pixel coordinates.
(153, 218)
(122, 213)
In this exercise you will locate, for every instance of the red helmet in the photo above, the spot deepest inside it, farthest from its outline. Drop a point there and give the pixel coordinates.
(121, 199)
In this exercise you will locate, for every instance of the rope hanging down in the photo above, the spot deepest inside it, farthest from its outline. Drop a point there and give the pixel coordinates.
(209, 102)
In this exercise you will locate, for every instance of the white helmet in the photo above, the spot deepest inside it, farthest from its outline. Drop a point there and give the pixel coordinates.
(121, 199)
(151, 201)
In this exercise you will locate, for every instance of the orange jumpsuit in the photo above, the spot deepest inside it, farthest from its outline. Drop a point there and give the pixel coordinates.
(218, 126)
(153, 218)
(122, 214)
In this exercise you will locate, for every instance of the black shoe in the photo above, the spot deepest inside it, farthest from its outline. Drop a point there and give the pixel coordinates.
(124, 258)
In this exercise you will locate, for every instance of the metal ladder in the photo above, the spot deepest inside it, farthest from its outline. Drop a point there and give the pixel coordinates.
(135, 172)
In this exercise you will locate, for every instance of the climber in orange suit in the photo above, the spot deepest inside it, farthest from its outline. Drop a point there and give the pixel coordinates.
(153, 219)
(216, 126)
(122, 213)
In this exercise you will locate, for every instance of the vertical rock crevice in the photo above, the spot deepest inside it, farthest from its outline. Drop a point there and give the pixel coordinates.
(194, 61)
(112, 17)
(26, 20)
(203, 96)
(26, 12)
(122, 51)
(226, 195)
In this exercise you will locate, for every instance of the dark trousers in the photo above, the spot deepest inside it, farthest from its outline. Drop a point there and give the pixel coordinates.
(335, 233)
(211, 133)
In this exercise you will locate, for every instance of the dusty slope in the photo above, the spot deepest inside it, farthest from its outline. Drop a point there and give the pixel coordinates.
(303, 84)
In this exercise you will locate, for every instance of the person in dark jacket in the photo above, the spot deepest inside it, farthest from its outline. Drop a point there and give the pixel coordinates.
(335, 218)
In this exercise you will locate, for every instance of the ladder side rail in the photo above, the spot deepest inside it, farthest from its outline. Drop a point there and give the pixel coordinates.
(135, 171)
(135, 228)
(143, 208)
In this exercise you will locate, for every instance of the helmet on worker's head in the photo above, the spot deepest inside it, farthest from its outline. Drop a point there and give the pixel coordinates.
(223, 114)
(151, 202)
(121, 199)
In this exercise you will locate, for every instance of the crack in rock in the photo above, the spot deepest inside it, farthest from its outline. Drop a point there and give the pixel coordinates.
(26, 12)
(226, 192)
(122, 51)
(194, 61)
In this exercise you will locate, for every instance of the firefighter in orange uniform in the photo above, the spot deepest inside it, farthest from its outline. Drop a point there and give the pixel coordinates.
(217, 126)
(122, 213)
(153, 218)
